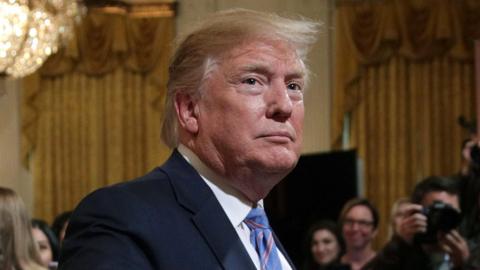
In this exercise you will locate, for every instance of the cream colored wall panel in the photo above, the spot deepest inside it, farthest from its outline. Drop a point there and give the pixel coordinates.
(191, 11)
(12, 174)
(263, 5)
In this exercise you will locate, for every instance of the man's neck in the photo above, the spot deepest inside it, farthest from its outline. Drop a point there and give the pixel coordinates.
(210, 175)
(358, 256)
(254, 184)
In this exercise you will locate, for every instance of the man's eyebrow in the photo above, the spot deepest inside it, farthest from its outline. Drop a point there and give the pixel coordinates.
(265, 69)
(257, 68)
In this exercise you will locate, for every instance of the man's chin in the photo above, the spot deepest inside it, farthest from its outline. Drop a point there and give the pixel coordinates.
(281, 164)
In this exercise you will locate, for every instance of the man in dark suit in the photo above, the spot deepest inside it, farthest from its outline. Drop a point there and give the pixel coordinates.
(234, 115)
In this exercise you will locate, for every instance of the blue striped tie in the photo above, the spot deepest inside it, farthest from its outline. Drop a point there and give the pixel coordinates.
(261, 238)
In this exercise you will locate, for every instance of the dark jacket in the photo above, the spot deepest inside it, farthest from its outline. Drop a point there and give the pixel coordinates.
(167, 219)
(399, 255)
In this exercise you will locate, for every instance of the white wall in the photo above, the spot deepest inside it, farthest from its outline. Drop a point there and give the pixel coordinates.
(12, 173)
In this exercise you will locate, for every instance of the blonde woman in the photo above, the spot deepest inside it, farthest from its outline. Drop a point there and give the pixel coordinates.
(18, 251)
(399, 210)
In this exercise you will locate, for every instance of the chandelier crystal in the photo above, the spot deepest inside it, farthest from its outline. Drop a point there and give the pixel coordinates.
(32, 30)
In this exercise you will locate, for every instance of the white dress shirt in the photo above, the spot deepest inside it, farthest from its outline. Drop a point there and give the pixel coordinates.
(233, 203)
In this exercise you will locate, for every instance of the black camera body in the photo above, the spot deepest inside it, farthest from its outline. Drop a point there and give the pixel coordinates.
(441, 217)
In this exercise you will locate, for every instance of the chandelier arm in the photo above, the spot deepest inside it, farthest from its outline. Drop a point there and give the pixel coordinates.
(22, 44)
(45, 26)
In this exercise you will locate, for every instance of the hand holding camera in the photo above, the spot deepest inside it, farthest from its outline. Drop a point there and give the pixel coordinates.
(434, 226)
(412, 222)
(441, 219)
(455, 245)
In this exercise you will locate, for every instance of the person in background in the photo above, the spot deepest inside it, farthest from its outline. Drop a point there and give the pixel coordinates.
(324, 247)
(18, 250)
(410, 249)
(359, 220)
(470, 198)
(47, 243)
(59, 225)
(397, 213)
(234, 116)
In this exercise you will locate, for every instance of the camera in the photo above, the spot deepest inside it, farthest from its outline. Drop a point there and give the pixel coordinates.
(475, 155)
(441, 217)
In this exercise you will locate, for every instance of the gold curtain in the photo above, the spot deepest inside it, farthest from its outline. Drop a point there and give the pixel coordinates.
(92, 114)
(404, 74)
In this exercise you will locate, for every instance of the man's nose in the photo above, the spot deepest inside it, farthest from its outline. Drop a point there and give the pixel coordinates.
(279, 102)
(355, 226)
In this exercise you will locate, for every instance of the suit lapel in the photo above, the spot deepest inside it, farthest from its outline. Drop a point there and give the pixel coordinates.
(207, 214)
(284, 252)
(222, 237)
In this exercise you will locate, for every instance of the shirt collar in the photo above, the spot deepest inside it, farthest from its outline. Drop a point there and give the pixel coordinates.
(235, 205)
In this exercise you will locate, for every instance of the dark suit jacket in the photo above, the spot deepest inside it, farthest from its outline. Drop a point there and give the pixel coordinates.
(167, 219)
(399, 255)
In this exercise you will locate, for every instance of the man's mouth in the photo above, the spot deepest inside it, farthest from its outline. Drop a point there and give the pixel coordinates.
(279, 136)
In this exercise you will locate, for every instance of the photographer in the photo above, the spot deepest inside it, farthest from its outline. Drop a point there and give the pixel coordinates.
(470, 198)
(427, 238)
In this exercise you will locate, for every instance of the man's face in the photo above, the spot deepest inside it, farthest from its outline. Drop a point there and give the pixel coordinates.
(251, 111)
(441, 196)
(358, 228)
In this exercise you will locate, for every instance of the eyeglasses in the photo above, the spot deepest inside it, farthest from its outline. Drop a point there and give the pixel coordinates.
(361, 223)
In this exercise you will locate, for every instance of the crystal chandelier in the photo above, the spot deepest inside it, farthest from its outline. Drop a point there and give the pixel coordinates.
(32, 30)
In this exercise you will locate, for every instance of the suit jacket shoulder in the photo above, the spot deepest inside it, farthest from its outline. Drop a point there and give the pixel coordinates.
(167, 219)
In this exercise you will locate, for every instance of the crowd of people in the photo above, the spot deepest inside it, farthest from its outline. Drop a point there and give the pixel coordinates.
(425, 233)
(436, 228)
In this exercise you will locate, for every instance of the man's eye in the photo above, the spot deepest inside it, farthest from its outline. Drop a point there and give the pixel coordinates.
(250, 81)
(294, 86)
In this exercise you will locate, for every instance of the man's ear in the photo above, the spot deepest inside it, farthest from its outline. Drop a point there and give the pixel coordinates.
(187, 112)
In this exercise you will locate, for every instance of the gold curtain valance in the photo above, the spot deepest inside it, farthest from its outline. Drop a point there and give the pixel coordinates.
(418, 28)
(371, 32)
(106, 41)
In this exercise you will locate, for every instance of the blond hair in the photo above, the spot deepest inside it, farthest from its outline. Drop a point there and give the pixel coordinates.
(17, 248)
(198, 51)
(394, 212)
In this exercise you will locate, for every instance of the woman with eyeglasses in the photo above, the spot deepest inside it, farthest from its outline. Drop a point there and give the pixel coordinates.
(359, 221)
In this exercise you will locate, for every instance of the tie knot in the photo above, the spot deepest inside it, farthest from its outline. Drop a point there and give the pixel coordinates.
(262, 239)
(257, 219)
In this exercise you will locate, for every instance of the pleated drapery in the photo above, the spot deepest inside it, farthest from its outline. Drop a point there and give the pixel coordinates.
(404, 74)
(92, 114)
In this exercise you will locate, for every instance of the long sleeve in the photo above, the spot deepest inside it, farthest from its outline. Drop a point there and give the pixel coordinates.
(399, 255)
